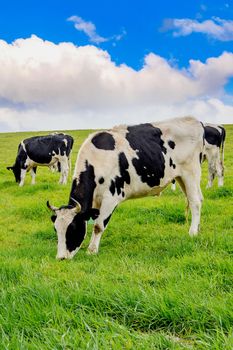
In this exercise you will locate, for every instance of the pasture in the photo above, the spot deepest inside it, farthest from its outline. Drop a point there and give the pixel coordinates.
(150, 287)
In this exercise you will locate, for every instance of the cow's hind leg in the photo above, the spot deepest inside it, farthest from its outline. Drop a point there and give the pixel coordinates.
(220, 173)
(194, 197)
(64, 170)
(100, 224)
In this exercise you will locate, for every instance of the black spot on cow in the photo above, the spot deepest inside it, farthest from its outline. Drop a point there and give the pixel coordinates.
(101, 180)
(112, 187)
(213, 136)
(172, 164)
(200, 157)
(146, 140)
(171, 144)
(117, 184)
(82, 191)
(75, 233)
(107, 220)
(104, 140)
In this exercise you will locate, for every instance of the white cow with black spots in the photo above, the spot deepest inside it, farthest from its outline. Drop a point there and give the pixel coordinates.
(128, 162)
(213, 152)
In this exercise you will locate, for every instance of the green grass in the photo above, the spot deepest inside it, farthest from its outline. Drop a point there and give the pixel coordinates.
(150, 287)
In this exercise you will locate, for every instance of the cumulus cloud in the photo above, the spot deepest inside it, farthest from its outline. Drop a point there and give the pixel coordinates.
(61, 86)
(216, 28)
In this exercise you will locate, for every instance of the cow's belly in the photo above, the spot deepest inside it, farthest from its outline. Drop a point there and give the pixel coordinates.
(138, 188)
(31, 163)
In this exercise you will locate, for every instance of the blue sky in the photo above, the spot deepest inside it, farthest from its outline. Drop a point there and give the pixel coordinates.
(141, 20)
(128, 31)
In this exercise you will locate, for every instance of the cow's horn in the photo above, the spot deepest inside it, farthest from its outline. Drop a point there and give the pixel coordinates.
(51, 207)
(78, 206)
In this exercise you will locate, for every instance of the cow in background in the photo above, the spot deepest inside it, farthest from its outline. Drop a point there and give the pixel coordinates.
(42, 151)
(213, 152)
(128, 162)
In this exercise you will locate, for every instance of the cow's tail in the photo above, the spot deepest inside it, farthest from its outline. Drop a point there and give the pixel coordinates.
(223, 136)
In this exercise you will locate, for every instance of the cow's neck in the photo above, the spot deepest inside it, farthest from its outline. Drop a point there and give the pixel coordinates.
(83, 188)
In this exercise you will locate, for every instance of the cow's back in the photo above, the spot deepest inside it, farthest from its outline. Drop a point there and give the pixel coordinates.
(149, 155)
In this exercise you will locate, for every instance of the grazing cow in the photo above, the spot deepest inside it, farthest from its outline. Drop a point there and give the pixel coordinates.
(128, 162)
(213, 152)
(42, 150)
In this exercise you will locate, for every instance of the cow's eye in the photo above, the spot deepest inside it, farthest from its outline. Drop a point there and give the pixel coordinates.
(53, 218)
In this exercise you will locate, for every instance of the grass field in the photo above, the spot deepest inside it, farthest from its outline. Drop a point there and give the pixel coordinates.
(150, 287)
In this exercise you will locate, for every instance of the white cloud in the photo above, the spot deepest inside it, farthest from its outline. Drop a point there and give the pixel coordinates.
(61, 86)
(216, 28)
(88, 28)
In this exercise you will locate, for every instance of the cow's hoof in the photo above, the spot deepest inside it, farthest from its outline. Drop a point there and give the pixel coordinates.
(92, 250)
(193, 233)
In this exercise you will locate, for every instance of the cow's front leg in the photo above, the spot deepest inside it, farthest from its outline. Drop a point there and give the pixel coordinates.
(22, 177)
(193, 192)
(95, 239)
(106, 210)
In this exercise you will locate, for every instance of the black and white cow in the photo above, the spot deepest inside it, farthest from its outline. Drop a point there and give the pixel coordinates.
(213, 152)
(45, 151)
(128, 162)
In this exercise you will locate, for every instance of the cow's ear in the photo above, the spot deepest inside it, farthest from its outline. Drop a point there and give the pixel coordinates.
(9, 167)
(53, 218)
(91, 213)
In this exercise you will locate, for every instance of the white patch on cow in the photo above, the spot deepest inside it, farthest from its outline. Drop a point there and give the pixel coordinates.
(64, 218)
(65, 142)
(23, 145)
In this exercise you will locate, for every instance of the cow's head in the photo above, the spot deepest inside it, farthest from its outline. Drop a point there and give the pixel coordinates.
(17, 172)
(70, 224)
